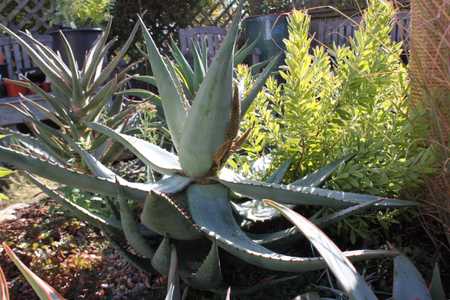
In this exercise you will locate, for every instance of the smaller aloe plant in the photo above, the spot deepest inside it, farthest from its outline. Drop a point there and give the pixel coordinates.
(79, 95)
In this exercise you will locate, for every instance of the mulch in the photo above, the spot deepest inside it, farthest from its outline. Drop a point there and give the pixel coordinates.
(72, 257)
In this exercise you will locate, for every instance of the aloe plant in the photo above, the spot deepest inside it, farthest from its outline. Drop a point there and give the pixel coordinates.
(79, 95)
(194, 201)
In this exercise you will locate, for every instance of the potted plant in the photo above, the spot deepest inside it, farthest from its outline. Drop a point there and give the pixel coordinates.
(81, 23)
(268, 23)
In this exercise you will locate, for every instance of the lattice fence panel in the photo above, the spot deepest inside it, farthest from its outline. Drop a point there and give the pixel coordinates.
(219, 13)
(26, 14)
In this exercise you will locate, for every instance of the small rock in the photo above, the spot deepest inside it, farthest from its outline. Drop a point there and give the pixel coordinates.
(12, 213)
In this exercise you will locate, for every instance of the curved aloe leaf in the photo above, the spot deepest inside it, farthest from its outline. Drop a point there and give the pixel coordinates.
(141, 93)
(59, 174)
(259, 84)
(408, 282)
(245, 50)
(289, 194)
(161, 259)
(211, 211)
(166, 216)
(172, 184)
(209, 275)
(153, 156)
(41, 288)
(279, 173)
(172, 98)
(78, 211)
(351, 282)
(436, 289)
(173, 281)
(209, 118)
(4, 291)
(317, 178)
(131, 228)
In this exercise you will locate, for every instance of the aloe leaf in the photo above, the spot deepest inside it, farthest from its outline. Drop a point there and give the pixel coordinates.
(351, 282)
(4, 291)
(408, 282)
(111, 66)
(140, 263)
(173, 281)
(211, 211)
(161, 259)
(101, 98)
(42, 63)
(77, 94)
(172, 184)
(245, 50)
(436, 289)
(317, 178)
(209, 275)
(184, 65)
(146, 79)
(153, 156)
(172, 99)
(289, 194)
(94, 57)
(209, 118)
(141, 93)
(166, 216)
(279, 173)
(78, 211)
(65, 176)
(36, 146)
(131, 228)
(199, 67)
(259, 84)
(41, 288)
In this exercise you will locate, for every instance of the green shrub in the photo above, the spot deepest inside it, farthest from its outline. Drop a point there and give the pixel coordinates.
(81, 13)
(352, 101)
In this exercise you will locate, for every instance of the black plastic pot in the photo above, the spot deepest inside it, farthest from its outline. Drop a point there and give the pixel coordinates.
(271, 30)
(81, 41)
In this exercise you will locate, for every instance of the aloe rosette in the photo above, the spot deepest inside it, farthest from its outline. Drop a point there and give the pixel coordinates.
(80, 94)
(195, 201)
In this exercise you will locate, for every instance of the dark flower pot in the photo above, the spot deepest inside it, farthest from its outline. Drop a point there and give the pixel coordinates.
(271, 30)
(81, 40)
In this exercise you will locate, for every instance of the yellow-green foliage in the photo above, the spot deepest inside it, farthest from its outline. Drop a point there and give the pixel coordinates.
(80, 13)
(349, 99)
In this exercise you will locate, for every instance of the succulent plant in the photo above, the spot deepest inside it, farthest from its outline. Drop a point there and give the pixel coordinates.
(79, 95)
(193, 204)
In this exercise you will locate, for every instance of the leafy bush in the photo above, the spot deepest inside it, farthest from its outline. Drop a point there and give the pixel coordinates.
(350, 99)
(81, 13)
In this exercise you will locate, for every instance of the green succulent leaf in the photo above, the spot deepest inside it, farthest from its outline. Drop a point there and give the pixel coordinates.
(65, 176)
(211, 211)
(172, 184)
(259, 84)
(172, 98)
(279, 173)
(408, 282)
(141, 93)
(167, 216)
(436, 288)
(161, 259)
(245, 50)
(76, 210)
(153, 156)
(209, 275)
(131, 227)
(289, 194)
(350, 281)
(209, 118)
(317, 178)
(173, 280)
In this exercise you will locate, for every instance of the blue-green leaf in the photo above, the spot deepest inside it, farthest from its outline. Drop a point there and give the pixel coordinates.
(209, 118)
(289, 194)
(350, 281)
(210, 208)
(153, 156)
(317, 178)
(172, 98)
(408, 282)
